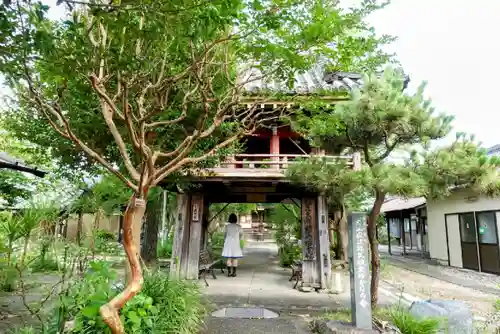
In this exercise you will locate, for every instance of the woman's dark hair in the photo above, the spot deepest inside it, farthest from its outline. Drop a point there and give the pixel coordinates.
(232, 218)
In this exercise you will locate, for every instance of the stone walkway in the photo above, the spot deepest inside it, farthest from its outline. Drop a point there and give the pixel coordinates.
(261, 282)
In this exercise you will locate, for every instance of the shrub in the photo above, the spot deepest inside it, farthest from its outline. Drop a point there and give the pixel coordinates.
(8, 277)
(164, 248)
(43, 264)
(289, 253)
(409, 324)
(105, 236)
(181, 308)
(163, 306)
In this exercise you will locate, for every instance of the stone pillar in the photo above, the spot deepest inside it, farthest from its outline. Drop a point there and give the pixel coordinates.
(359, 272)
(180, 245)
(325, 265)
(310, 257)
(195, 235)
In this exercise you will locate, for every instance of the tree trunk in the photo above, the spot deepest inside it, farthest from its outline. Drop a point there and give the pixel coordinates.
(131, 224)
(375, 258)
(331, 234)
(342, 236)
(150, 242)
(79, 227)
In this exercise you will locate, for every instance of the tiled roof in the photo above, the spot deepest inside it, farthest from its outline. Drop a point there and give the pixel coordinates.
(494, 150)
(311, 81)
(9, 162)
(398, 204)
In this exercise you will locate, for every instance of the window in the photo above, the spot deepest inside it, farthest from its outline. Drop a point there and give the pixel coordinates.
(487, 233)
(467, 227)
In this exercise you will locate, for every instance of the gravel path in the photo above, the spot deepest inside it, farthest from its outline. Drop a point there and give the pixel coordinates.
(426, 287)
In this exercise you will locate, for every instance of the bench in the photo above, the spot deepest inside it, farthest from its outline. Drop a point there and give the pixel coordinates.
(296, 273)
(206, 264)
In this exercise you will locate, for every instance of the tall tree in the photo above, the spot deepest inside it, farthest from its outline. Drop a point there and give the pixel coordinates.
(380, 120)
(341, 185)
(151, 89)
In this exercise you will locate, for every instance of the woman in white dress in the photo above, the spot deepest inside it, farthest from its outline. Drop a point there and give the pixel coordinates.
(232, 247)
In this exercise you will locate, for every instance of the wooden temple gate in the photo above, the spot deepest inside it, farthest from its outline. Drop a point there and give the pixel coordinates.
(256, 177)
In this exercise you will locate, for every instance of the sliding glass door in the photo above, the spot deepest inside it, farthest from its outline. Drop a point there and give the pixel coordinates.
(468, 236)
(479, 241)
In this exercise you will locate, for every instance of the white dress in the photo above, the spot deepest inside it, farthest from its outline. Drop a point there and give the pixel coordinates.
(232, 247)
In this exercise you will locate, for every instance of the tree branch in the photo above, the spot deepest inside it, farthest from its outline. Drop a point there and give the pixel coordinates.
(70, 135)
(108, 117)
(176, 164)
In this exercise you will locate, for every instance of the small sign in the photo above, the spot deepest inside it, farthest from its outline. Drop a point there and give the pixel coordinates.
(482, 230)
(196, 212)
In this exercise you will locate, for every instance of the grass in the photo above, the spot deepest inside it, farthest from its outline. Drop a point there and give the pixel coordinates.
(409, 324)
(400, 318)
(181, 307)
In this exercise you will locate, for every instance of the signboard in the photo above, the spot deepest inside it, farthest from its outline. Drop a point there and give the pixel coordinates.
(308, 229)
(359, 272)
(196, 212)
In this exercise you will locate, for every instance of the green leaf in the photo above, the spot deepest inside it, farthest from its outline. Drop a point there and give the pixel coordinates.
(133, 317)
(90, 311)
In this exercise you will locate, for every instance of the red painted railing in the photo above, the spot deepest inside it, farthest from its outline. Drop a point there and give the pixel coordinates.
(277, 161)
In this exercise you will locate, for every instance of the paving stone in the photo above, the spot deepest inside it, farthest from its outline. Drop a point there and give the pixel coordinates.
(255, 326)
(244, 313)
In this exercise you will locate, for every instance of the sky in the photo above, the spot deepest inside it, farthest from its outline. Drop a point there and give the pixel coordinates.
(451, 44)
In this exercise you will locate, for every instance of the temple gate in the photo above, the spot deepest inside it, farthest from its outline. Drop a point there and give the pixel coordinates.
(257, 176)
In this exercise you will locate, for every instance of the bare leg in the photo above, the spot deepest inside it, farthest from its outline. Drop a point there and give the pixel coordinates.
(229, 267)
(235, 265)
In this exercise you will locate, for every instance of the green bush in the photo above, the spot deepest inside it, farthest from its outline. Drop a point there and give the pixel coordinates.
(105, 235)
(8, 277)
(164, 247)
(43, 264)
(163, 306)
(409, 324)
(181, 308)
(289, 253)
(105, 243)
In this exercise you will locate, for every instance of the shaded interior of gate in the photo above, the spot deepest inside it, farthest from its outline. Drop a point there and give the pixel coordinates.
(191, 230)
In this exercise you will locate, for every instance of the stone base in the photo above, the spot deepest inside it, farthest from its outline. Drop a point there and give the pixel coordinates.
(338, 327)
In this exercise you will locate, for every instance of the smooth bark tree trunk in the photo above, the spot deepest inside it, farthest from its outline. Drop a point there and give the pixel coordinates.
(375, 258)
(132, 221)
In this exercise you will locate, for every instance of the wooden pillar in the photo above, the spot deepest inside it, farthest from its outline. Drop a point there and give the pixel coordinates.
(204, 231)
(195, 233)
(325, 263)
(310, 269)
(180, 245)
(275, 147)
(388, 220)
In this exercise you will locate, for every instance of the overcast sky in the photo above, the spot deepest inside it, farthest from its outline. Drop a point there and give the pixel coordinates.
(452, 44)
